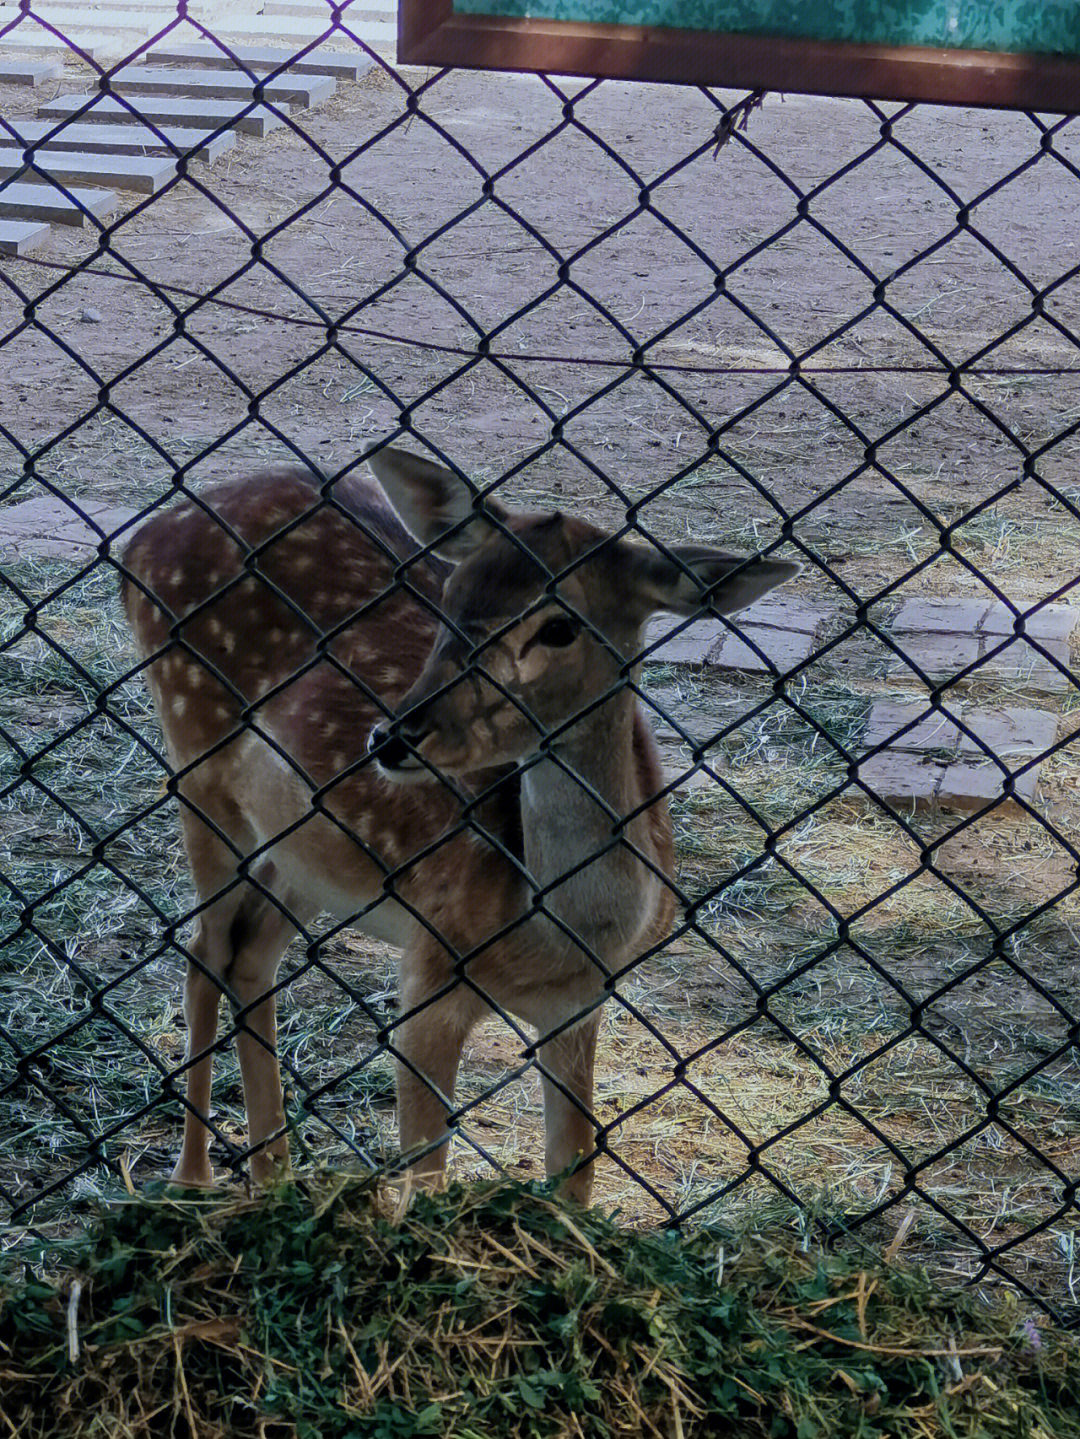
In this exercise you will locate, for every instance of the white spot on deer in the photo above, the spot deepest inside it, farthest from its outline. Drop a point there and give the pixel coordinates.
(302, 563)
(214, 625)
(276, 635)
(222, 712)
(179, 705)
(228, 642)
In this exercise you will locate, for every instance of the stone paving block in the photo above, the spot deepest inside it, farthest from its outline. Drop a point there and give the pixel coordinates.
(932, 731)
(222, 85)
(909, 781)
(45, 202)
(941, 655)
(145, 174)
(342, 66)
(28, 72)
(164, 110)
(19, 237)
(971, 786)
(46, 527)
(33, 40)
(1010, 731)
(301, 29)
(938, 763)
(784, 632)
(122, 139)
(983, 615)
(690, 646)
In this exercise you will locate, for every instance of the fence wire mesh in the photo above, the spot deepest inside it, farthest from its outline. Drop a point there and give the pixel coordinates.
(845, 333)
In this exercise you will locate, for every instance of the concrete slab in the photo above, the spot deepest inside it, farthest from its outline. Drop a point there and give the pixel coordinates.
(984, 615)
(911, 782)
(343, 66)
(123, 139)
(27, 72)
(163, 110)
(690, 646)
(47, 527)
(33, 40)
(315, 9)
(941, 656)
(223, 85)
(275, 28)
(145, 174)
(19, 237)
(930, 731)
(1009, 731)
(784, 631)
(20, 201)
(72, 14)
(939, 764)
(362, 21)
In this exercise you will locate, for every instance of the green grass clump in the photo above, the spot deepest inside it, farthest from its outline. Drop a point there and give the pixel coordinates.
(316, 1312)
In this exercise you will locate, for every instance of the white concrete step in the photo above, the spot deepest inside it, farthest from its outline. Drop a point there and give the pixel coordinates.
(156, 11)
(144, 173)
(45, 202)
(352, 15)
(19, 237)
(33, 40)
(28, 72)
(276, 29)
(71, 18)
(343, 65)
(221, 85)
(164, 110)
(123, 139)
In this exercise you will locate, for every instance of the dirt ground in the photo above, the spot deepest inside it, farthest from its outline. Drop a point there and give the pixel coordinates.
(714, 439)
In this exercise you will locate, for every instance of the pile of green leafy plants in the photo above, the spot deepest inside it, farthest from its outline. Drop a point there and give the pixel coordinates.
(320, 1311)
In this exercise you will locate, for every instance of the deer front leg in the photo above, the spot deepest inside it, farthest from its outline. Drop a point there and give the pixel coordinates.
(568, 1061)
(428, 1045)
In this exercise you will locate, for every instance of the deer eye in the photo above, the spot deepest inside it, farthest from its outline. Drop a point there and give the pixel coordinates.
(558, 632)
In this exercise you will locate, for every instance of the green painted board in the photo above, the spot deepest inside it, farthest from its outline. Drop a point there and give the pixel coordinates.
(1023, 54)
(1042, 27)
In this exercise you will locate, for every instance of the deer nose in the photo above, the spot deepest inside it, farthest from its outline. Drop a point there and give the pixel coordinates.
(392, 745)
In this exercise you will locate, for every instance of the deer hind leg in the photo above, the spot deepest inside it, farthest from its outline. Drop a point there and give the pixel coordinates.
(567, 1078)
(428, 1047)
(240, 936)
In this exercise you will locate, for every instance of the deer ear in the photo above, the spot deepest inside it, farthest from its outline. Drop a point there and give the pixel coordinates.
(698, 578)
(433, 501)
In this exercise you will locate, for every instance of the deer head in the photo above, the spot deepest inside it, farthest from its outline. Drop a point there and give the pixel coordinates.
(542, 620)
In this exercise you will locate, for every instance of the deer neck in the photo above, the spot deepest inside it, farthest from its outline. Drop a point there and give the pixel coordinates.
(571, 802)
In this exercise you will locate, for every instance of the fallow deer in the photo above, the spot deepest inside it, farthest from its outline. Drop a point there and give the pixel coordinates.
(441, 744)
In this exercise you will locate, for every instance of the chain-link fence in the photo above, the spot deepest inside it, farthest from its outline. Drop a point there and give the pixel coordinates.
(841, 333)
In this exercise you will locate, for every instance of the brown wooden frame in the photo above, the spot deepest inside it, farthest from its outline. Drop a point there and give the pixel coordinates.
(429, 33)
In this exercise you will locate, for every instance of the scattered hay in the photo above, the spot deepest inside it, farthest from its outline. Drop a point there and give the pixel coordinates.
(492, 1311)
